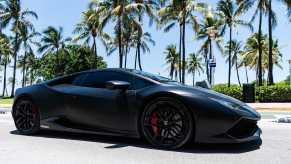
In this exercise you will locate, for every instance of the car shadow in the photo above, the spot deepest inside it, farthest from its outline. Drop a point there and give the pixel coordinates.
(121, 142)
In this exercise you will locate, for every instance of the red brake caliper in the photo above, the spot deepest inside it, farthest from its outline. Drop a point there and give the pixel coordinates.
(154, 122)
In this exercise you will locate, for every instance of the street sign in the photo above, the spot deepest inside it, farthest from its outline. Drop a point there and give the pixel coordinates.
(212, 63)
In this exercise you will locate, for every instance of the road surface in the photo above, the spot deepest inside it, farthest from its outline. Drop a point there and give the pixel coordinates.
(69, 148)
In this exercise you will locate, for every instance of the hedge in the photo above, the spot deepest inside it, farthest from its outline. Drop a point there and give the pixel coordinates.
(276, 93)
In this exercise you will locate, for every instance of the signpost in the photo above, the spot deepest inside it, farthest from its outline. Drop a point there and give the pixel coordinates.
(212, 65)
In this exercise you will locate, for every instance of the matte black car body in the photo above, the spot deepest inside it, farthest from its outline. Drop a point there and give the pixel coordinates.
(65, 106)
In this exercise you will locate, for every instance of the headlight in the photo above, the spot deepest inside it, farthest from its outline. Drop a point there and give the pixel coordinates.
(227, 103)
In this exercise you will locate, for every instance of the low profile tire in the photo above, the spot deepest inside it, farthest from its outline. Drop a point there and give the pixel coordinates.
(26, 117)
(166, 123)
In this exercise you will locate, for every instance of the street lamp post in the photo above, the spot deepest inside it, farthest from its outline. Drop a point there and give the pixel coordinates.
(212, 32)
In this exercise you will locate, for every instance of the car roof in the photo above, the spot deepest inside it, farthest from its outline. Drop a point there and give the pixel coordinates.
(123, 70)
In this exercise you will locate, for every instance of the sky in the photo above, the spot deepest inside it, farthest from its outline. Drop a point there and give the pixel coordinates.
(66, 13)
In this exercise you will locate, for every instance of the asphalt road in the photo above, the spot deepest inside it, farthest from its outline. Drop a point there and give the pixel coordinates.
(51, 147)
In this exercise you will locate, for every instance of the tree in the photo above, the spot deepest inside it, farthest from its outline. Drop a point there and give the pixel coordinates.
(143, 40)
(231, 13)
(52, 42)
(89, 29)
(172, 59)
(180, 12)
(5, 53)
(236, 49)
(75, 58)
(250, 54)
(272, 23)
(12, 13)
(194, 65)
(210, 31)
(27, 38)
(116, 11)
(147, 7)
(261, 9)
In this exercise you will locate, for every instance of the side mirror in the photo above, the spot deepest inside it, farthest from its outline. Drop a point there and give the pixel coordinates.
(117, 85)
(204, 84)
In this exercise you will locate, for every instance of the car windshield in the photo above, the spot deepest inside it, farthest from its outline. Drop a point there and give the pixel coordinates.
(158, 78)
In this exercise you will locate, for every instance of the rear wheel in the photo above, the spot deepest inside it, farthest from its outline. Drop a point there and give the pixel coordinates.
(26, 117)
(166, 123)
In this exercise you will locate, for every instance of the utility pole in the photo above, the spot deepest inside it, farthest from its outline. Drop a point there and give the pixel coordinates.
(290, 72)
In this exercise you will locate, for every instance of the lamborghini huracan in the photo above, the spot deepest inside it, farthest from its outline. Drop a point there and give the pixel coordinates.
(131, 103)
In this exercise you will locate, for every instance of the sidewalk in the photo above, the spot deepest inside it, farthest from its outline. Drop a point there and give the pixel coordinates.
(271, 107)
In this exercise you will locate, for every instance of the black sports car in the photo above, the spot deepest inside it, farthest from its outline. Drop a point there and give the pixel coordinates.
(135, 104)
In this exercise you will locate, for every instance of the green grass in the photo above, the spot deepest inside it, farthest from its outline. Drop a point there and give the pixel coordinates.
(6, 101)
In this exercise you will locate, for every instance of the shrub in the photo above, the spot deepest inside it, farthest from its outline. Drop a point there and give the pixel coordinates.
(233, 91)
(276, 93)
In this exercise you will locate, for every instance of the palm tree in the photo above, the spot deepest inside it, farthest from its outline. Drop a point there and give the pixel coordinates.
(89, 29)
(231, 13)
(27, 38)
(143, 41)
(271, 24)
(12, 13)
(180, 12)
(5, 52)
(210, 31)
(172, 59)
(117, 11)
(52, 42)
(194, 65)
(32, 66)
(147, 7)
(261, 9)
(236, 49)
(250, 55)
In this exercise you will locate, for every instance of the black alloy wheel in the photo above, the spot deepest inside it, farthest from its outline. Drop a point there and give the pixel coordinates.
(26, 117)
(166, 123)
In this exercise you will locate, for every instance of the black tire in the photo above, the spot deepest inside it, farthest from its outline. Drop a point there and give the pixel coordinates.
(166, 123)
(26, 116)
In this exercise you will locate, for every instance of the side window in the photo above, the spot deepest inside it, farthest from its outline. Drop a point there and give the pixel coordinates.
(99, 79)
(141, 83)
(79, 79)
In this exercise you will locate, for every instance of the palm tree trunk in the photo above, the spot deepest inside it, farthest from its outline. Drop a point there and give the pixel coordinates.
(138, 56)
(14, 66)
(193, 78)
(184, 49)
(270, 73)
(135, 60)
(120, 43)
(206, 66)
(23, 70)
(210, 57)
(172, 71)
(125, 57)
(180, 52)
(237, 73)
(57, 71)
(246, 71)
(4, 80)
(260, 50)
(229, 54)
(94, 47)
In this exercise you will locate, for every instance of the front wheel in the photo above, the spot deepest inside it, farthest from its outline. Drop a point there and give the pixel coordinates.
(166, 123)
(26, 117)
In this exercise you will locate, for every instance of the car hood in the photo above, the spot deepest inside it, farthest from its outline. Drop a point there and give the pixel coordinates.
(207, 93)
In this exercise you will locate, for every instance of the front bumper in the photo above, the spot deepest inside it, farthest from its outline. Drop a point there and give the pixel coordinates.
(244, 130)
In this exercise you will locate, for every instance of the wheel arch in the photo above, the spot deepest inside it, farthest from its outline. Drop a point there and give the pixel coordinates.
(154, 96)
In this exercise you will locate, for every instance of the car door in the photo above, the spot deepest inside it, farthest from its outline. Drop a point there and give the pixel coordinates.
(92, 105)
